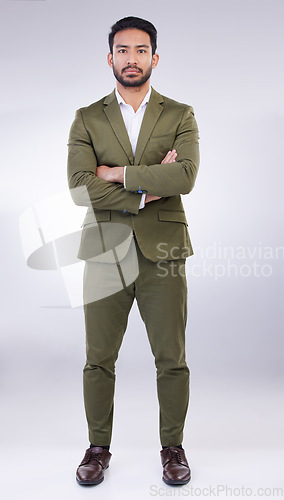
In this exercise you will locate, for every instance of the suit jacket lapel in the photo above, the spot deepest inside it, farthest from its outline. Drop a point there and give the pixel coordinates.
(151, 115)
(115, 118)
(150, 118)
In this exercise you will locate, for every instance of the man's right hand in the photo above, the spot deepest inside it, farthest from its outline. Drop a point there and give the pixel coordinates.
(169, 158)
(151, 197)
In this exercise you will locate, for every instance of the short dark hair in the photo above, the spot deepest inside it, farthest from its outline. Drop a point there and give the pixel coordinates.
(134, 22)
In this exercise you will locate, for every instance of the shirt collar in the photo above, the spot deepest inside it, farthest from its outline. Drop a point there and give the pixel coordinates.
(120, 99)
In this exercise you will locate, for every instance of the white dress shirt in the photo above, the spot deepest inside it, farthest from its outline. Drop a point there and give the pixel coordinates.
(133, 123)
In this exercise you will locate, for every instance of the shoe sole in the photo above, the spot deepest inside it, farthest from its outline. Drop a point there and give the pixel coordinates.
(173, 482)
(89, 483)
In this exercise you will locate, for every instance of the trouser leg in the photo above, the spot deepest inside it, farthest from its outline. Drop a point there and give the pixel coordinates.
(161, 292)
(105, 321)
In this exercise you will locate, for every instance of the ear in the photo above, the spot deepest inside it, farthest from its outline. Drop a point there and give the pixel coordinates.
(155, 60)
(110, 59)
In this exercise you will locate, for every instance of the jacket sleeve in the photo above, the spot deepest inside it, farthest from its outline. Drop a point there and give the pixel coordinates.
(172, 178)
(86, 188)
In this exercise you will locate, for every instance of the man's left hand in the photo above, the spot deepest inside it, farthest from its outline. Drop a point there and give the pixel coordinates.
(111, 174)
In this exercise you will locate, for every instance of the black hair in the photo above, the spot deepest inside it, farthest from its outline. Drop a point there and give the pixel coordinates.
(134, 22)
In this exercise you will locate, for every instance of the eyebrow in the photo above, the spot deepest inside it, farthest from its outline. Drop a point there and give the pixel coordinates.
(119, 46)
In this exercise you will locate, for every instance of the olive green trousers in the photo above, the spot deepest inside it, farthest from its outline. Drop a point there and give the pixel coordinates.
(160, 290)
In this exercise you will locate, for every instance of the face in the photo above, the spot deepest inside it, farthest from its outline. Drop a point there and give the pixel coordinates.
(132, 61)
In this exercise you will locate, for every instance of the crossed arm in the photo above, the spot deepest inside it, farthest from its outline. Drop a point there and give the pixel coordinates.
(102, 186)
(116, 174)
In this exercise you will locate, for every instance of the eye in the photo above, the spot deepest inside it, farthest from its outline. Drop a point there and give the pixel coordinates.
(141, 50)
(122, 50)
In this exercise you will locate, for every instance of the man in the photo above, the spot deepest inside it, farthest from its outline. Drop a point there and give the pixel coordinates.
(131, 155)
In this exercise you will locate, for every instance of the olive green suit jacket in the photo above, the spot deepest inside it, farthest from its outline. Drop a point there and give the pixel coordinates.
(98, 137)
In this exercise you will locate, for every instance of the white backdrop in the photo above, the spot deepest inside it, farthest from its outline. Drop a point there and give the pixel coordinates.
(224, 58)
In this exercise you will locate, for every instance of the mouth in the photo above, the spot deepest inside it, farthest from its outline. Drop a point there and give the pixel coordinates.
(131, 71)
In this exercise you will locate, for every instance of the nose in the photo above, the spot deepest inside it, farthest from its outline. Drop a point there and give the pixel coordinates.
(132, 57)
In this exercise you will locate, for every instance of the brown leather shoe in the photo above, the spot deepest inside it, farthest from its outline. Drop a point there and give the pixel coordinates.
(175, 466)
(91, 469)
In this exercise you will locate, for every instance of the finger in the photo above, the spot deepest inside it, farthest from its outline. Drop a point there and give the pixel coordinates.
(166, 157)
(172, 154)
(169, 156)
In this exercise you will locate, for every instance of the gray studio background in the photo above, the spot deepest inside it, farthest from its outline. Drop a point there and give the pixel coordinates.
(225, 58)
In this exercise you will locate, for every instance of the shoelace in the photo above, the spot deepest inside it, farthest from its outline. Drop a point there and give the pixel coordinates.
(91, 457)
(175, 455)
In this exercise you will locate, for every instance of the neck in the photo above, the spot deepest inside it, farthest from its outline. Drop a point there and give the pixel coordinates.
(133, 95)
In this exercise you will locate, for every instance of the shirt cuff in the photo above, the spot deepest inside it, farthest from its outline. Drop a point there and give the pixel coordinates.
(124, 176)
(142, 202)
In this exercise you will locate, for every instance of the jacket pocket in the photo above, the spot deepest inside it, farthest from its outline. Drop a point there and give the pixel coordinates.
(96, 216)
(172, 216)
(162, 138)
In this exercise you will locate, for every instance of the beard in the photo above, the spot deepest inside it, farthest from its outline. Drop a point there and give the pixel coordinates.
(132, 80)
